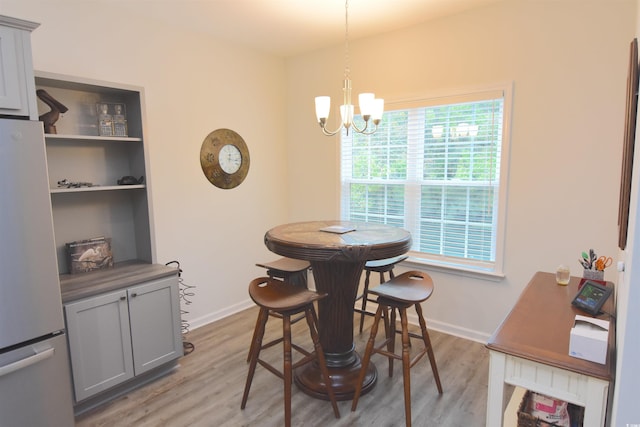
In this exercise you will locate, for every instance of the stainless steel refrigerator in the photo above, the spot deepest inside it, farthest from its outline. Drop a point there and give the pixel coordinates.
(35, 383)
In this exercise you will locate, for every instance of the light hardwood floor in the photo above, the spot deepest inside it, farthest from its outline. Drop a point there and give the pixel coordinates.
(206, 389)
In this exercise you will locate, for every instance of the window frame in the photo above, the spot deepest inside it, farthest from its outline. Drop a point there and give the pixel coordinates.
(464, 266)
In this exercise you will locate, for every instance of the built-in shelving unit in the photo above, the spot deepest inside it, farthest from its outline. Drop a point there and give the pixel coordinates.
(123, 322)
(95, 205)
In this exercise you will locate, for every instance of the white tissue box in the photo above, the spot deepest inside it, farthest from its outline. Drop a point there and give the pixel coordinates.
(589, 339)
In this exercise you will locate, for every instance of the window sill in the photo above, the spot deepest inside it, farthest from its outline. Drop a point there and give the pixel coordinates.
(453, 268)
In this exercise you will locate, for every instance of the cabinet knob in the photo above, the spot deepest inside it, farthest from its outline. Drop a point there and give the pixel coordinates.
(133, 295)
(123, 298)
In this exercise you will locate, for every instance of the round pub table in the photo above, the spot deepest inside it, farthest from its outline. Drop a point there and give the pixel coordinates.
(337, 251)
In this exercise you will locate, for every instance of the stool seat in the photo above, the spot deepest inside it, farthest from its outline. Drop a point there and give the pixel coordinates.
(281, 297)
(290, 270)
(273, 295)
(287, 265)
(406, 290)
(384, 265)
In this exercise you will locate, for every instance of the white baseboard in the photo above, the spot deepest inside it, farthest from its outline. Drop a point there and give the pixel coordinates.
(220, 314)
(446, 328)
(450, 329)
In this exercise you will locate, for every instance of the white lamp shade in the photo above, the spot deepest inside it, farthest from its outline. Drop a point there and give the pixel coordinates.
(346, 111)
(323, 105)
(365, 101)
(378, 109)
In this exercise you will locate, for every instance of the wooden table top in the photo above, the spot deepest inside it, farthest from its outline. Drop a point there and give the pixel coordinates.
(539, 325)
(305, 240)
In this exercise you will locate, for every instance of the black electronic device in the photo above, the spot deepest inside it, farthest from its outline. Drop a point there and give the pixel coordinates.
(591, 297)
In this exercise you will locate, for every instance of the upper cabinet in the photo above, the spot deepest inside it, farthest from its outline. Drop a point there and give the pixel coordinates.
(17, 93)
(97, 165)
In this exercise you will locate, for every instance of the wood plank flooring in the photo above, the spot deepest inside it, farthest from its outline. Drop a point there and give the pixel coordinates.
(206, 389)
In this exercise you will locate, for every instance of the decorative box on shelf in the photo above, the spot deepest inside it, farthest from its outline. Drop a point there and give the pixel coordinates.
(88, 255)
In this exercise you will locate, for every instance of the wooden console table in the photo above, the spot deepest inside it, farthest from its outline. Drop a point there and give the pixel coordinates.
(530, 349)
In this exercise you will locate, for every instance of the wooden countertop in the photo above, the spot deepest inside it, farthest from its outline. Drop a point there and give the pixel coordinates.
(538, 327)
(121, 275)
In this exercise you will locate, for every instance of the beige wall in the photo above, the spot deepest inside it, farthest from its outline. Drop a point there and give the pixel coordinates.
(567, 62)
(193, 85)
(568, 65)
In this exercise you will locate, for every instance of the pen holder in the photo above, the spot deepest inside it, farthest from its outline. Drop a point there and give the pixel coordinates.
(593, 274)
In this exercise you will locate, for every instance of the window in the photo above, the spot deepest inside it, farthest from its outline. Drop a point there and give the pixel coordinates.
(435, 167)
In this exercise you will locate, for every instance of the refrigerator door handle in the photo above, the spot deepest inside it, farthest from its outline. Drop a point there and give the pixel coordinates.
(27, 361)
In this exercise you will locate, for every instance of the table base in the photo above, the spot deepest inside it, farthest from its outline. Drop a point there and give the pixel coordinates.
(309, 379)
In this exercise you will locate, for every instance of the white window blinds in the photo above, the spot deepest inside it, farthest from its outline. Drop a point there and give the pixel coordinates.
(433, 168)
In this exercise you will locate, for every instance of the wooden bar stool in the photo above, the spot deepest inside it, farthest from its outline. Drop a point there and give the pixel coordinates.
(380, 266)
(290, 270)
(273, 295)
(406, 290)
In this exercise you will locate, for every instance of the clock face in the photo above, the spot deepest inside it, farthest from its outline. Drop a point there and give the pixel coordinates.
(230, 158)
(224, 158)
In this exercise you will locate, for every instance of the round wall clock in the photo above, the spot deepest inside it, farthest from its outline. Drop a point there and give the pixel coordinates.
(224, 158)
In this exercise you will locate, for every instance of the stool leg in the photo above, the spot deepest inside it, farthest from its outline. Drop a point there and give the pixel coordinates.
(365, 296)
(254, 353)
(406, 365)
(429, 347)
(312, 321)
(253, 339)
(367, 356)
(287, 369)
(387, 334)
(392, 338)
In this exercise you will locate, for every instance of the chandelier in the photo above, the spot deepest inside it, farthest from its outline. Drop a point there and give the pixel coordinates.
(371, 108)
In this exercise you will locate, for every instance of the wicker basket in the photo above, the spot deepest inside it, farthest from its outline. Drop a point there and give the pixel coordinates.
(525, 419)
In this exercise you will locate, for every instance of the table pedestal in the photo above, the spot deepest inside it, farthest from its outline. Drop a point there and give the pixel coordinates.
(340, 280)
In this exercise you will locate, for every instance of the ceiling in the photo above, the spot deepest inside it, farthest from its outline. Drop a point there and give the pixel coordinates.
(291, 27)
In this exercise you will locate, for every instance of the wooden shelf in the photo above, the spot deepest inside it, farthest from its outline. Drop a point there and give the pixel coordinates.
(51, 137)
(96, 188)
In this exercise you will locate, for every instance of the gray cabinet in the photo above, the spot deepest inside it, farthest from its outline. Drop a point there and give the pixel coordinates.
(119, 335)
(17, 93)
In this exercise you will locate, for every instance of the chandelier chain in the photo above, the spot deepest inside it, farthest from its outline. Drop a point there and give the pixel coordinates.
(347, 70)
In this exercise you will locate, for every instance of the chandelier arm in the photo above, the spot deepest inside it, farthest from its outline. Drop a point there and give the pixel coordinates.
(363, 131)
(357, 129)
(330, 133)
(372, 131)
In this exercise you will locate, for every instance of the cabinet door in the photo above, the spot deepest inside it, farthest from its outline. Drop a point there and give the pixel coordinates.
(154, 310)
(17, 86)
(9, 78)
(99, 343)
